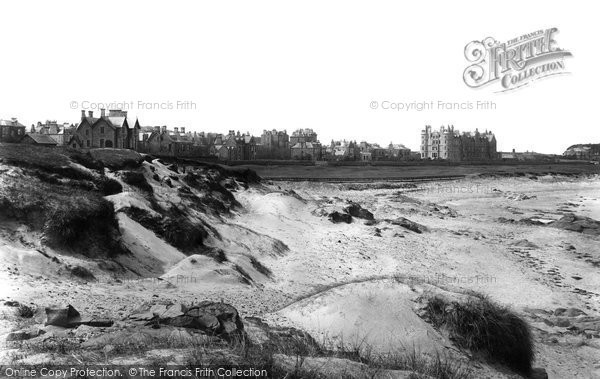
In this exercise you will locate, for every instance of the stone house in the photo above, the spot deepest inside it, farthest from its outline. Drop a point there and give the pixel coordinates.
(176, 142)
(273, 145)
(11, 130)
(306, 151)
(61, 133)
(112, 130)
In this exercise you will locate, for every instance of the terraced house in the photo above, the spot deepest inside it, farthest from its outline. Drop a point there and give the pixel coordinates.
(112, 130)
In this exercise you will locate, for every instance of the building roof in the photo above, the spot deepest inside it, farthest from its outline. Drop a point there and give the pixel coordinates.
(13, 122)
(41, 139)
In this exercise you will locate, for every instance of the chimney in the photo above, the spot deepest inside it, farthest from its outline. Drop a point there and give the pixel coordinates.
(91, 113)
(176, 129)
(102, 112)
(82, 114)
(183, 130)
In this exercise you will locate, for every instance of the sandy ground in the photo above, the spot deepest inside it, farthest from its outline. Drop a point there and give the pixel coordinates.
(332, 278)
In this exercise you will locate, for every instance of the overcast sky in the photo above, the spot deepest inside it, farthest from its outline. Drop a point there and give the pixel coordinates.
(260, 65)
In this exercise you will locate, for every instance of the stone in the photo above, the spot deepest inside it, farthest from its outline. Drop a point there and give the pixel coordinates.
(210, 317)
(67, 317)
(562, 322)
(97, 322)
(410, 225)
(338, 217)
(355, 210)
(26, 334)
(174, 310)
(579, 224)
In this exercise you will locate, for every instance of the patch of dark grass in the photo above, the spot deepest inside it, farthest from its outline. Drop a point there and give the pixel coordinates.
(485, 327)
(245, 277)
(69, 216)
(174, 227)
(83, 273)
(117, 159)
(69, 223)
(218, 198)
(25, 311)
(217, 254)
(86, 160)
(136, 179)
(45, 177)
(258, 266)
(109, 186)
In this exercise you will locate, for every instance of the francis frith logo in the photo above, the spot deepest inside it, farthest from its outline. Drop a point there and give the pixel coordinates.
(515, 63)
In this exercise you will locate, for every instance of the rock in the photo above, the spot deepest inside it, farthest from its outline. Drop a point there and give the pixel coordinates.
(97, 323)
(562, 322)
(579, 224)
(196, 319)
(538, 373)
(26, 334)
(355, 210)
(410, 225)
(172, 311)
(570, 312)
(66, 317)
(525, 243)
(337, 217)
(213, 318)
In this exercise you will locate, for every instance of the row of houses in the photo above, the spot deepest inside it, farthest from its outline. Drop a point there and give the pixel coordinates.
(115, 128)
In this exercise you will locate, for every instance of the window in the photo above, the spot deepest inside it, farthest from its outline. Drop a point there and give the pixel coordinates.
(87, 132)
(102, 130)
(87, 143)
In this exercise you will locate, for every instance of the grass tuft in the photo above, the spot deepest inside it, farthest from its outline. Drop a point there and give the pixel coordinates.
(25, 311)
(258, 266)
(483, 326)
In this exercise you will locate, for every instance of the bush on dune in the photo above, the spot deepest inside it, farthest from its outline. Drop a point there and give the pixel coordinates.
(175, 227)
(483, 326)
(68, 223)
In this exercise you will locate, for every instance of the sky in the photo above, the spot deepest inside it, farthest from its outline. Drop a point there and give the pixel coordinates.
(251, 66)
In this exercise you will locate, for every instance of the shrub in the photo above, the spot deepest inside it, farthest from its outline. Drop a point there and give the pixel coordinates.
(176, 228)
(136, 179)
(482, 326)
